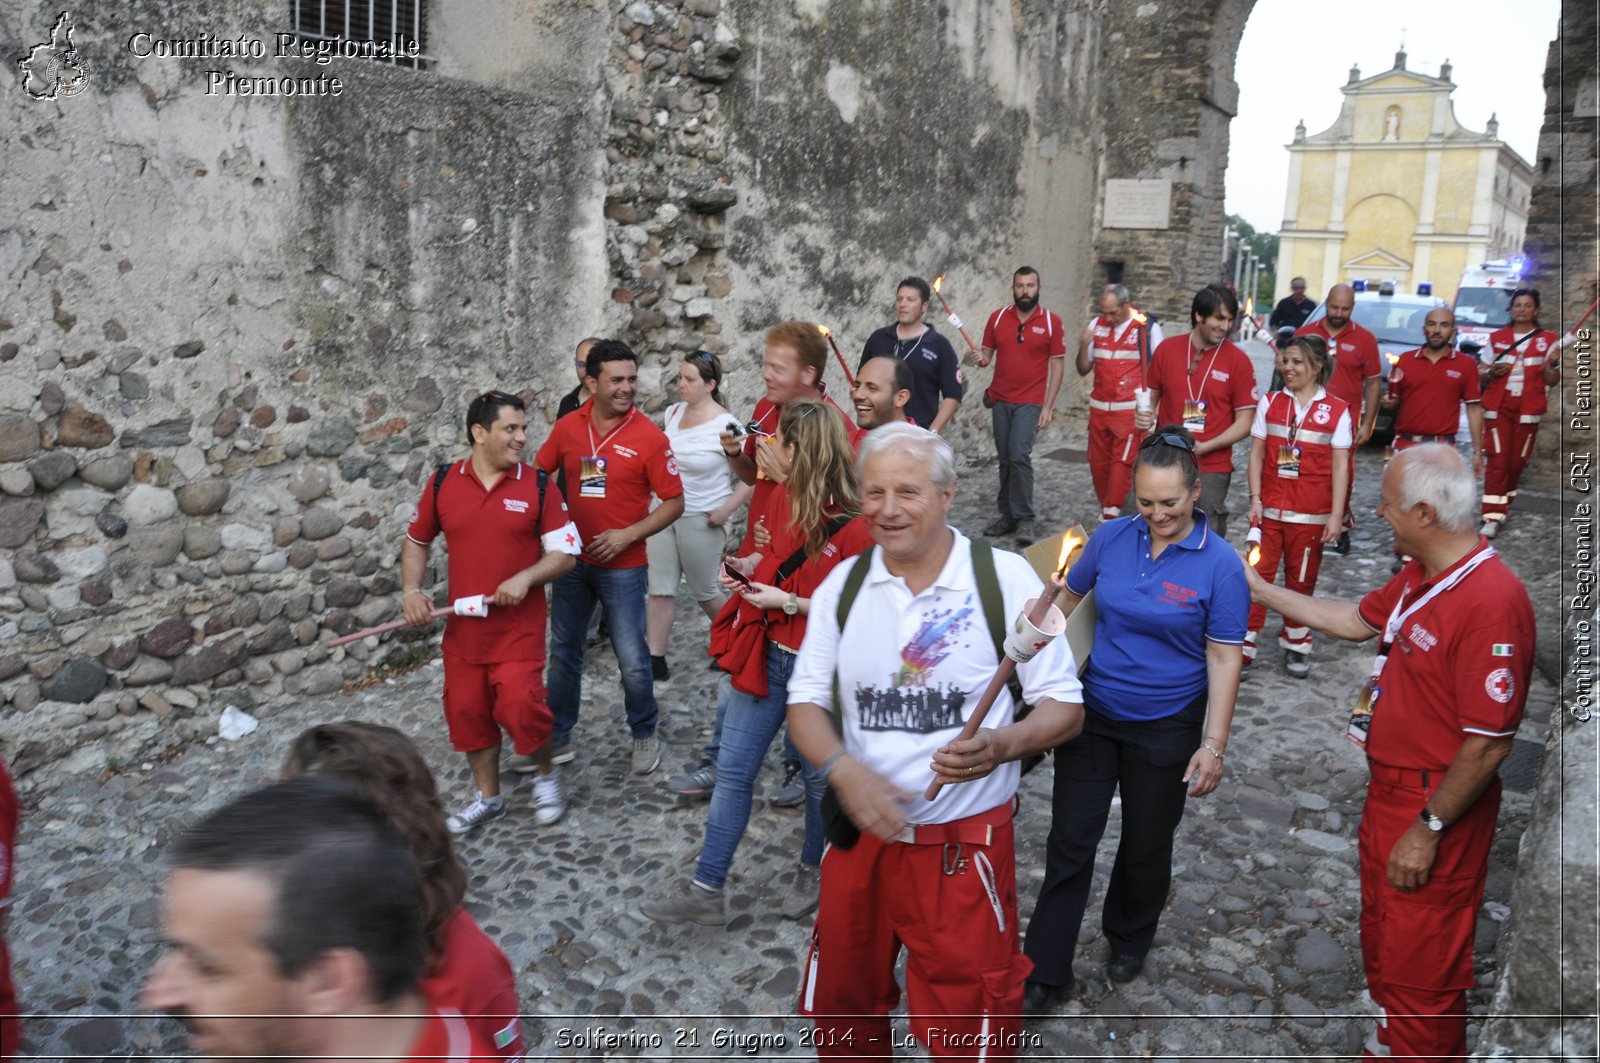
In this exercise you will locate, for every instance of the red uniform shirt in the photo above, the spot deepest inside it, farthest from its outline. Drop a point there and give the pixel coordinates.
(1116, 359)
(447, 1038)
(766, 415)
(1355, 361)
(1222, 383)
(1520, 391)
(848, 541)
(1022, 353)
(638, 462)
(1459, 665)
(1297, 458)
(492, 534)
(1431, 393)
(473, 977)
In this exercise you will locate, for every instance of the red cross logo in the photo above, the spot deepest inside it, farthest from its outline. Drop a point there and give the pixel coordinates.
(1500, 685)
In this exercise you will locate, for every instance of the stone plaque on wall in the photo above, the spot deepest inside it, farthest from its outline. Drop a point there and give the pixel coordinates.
(1138, 204)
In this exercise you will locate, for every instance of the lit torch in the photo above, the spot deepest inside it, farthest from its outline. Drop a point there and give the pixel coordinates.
(826, 331)
(1032, 631)
(1394, 374)
(938, 282)
(477, 605)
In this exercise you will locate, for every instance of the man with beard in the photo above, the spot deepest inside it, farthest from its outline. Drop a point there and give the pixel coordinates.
(1429, 386)
(615, 458)
(1293, 309)
(882, 393)
(1204, 382)
(937, 386)
(293, 932)
(1357, 376)
(1027, 344)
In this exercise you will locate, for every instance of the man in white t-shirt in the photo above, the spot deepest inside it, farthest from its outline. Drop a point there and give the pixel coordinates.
(937, 876)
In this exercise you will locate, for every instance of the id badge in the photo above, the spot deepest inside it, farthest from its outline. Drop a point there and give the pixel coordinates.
(1514, 385)
(1194, 414)
(1289, 463)
(1361, 716)
(592, 477)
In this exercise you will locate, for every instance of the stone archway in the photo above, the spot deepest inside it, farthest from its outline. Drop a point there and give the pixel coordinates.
(1169, 96)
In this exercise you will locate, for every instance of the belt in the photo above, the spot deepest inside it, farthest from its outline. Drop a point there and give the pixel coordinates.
(1101, 404)
(1410, 438)
(1416, 778)
(785, 649)
(976, 829)
(1289, 516)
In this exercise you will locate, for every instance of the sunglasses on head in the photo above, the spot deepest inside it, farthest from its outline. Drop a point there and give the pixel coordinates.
(1170, 439)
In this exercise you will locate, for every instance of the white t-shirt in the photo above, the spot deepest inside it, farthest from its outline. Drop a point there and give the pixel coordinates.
(702, 466)
(915, 668)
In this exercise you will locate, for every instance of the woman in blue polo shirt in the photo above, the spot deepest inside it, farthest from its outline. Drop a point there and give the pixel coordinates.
(1159, 691)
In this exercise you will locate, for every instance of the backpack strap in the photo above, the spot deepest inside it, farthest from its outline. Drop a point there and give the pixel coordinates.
(847, 597)
(994, 613)
(438, 481)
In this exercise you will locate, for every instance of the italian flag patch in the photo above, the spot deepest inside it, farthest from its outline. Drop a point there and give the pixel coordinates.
(1501, 649)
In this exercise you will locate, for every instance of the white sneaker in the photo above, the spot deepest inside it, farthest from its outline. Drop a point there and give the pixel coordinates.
(1489, 529)
(475, 815)
(549, 804)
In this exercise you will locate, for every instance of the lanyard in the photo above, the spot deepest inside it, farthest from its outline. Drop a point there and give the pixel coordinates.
(1297, 416)
(1188, 381)
(595, 448)
(1399, 614)
(915, 341)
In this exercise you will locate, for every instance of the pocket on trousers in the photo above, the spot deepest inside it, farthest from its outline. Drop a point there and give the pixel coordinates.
(1427, 936)
(1002, 986)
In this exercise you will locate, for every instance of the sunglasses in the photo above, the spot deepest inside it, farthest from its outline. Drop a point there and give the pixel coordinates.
(1170, 439)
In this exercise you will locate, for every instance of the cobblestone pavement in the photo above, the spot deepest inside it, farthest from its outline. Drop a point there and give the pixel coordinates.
(1257, 956)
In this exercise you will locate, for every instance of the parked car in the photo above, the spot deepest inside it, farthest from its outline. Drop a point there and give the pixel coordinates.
(1396, 320)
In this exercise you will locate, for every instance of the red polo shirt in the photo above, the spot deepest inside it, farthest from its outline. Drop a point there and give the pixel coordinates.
(492, 534)
(766, 414)
(1459, 665)
(447, 1038)
(1355, 361)
(638, 461)
(848, 541)
(472, 976)
(1022, 353)
(1224, 379)
(1431, 393)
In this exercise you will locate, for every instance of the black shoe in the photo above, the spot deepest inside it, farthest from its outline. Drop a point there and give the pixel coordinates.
(1041, 999)
(1342, 547)
(1124, 967)
(1000, 526)
(658, 667)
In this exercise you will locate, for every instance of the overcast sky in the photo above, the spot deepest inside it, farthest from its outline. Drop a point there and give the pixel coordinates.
(1295, 57)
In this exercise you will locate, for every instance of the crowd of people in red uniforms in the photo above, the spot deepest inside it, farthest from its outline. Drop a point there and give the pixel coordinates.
(513, 532)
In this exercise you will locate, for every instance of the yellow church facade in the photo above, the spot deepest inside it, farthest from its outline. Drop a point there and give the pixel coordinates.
(1398, 190)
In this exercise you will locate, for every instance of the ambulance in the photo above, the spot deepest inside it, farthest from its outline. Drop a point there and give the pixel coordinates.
(1483, 300)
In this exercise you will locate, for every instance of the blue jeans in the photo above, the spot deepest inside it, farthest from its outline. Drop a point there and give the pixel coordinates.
(1014, 428)
(748, 728)
(572, 599)
(792, 761)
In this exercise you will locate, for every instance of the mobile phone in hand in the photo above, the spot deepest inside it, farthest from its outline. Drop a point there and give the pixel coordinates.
(735, 575)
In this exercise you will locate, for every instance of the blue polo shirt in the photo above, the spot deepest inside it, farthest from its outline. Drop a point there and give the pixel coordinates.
(1155, 617)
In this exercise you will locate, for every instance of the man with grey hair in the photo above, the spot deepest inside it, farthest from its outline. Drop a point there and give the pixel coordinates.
(1116, 347)
(1436, 719)
(915, 611)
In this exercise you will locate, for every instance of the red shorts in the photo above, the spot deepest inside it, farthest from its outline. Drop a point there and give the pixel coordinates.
(481, 700)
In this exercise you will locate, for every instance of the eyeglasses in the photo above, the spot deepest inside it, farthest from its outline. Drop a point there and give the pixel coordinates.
(1019, 333)
(1170, 439)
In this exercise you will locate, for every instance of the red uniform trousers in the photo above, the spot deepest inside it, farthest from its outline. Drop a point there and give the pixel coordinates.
(481, 700)
(954, 909)
(1113, 444)
(1417, 947)
(1509, 443)
(1300, 548)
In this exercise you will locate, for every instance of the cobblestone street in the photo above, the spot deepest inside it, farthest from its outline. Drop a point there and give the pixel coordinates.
(1257, 956)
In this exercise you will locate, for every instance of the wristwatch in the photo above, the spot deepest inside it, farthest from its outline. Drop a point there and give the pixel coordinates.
(792, 606)
(1434, 823)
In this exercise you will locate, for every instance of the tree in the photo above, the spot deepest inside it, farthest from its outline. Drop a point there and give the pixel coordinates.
(1265, 247)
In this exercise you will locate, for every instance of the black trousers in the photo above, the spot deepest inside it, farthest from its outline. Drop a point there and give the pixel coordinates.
(1146, 759)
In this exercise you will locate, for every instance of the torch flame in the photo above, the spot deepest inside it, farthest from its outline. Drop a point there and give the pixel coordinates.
(938, 282)
(825, 330)
(1071, 541)
(1255, 555)
(1393, 358)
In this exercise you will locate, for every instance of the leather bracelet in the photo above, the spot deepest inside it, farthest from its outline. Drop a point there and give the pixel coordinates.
(1209, 748)
(832, 762)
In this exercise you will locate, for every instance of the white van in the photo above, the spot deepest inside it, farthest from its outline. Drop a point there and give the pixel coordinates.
(1483, 300)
